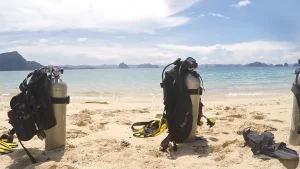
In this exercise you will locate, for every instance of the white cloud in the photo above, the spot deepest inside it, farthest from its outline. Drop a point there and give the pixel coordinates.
(204, 58)
(113, 15)
(120, 37)
(242, 3)
(41, 41)
(82, 39)
(238, 53)
(113, 53)
(201, 15)
(218, 15)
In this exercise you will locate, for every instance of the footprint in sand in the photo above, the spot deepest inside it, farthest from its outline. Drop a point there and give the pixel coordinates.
(225, 148)
(227, 108)
(258, 116)
(97, 126)
(255, 127)
(110, 145)
(73, 133)
(83, 118)
(111, 113)
(144, 110)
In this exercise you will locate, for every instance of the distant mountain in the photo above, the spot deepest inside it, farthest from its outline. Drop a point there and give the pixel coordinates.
(123, 66)
(279, 65)
(76, 67)
(148, 65)
(256, 64)
(14, 61)
(220, 65)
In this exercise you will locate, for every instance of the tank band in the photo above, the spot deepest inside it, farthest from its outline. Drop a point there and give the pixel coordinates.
(60, 100)
(195, 91)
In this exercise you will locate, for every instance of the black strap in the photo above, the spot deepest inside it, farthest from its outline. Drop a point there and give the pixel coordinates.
(41, 132)
(140, 124)
(25, 149)
(28, 153)
(165, 143)
(60, 100)
(200, 113)
(195, 91)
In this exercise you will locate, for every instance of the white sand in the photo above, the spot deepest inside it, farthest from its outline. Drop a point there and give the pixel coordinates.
(100, 136)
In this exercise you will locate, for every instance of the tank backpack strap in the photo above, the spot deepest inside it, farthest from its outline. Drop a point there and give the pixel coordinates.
(23, 86)
(32, 159)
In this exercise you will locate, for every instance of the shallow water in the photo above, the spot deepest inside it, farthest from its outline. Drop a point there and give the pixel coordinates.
(107, 84)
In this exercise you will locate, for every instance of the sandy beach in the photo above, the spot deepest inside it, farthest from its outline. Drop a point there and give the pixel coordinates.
(100, 136)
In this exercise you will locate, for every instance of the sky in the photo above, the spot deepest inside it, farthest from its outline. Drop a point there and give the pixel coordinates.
(96, 32)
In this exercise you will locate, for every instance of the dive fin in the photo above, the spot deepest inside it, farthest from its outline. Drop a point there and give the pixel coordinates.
(151, 128)
(263, 146)
(12, 145)
(8, 141)
(4, 151)
(5, 146)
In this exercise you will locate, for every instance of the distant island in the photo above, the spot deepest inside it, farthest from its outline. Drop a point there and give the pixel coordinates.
(148, 65)
(256, 64)
(10, 61)
(123, 66)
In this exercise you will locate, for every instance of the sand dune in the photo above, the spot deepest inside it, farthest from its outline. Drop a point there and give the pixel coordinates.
(100, 136)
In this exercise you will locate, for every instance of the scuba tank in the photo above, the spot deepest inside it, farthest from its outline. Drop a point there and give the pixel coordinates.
(294, 138)
(193, 84)
(56, 136)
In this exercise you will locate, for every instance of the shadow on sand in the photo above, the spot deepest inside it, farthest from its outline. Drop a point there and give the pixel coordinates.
(199, 148)
(21, 159)
(290, 164)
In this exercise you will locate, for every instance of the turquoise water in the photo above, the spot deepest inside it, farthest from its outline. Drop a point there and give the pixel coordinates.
(105, 84)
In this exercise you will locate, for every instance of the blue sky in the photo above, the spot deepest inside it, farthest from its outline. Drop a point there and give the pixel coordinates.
(96, 32)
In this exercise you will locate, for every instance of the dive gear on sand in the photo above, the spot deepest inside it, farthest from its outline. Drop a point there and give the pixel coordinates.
(181, 90)
(151, 128)
(263, 146)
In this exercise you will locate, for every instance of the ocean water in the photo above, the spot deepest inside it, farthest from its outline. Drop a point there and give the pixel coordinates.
(130, 84)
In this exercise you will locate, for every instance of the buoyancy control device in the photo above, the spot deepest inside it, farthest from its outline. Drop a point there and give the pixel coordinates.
(181, 89)
(294, 138)
(33, 110)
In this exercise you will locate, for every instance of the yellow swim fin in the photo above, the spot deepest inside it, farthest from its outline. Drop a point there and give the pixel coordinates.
(3, 151)
(151, 128)
(5, 147)
(12, 145)
(8, 141)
